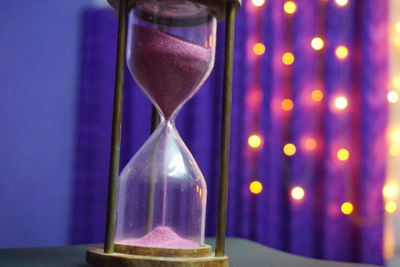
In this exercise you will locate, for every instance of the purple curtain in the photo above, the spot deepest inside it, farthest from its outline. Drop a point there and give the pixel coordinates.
(314, 226)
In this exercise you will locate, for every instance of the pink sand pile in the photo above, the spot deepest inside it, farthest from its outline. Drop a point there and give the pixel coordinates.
(168, 68)
(161, 236)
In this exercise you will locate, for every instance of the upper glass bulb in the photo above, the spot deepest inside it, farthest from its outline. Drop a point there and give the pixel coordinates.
(170, 51)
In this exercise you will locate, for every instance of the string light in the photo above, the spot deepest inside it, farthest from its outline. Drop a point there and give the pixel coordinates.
(390, 190)
(310, 144)
(259, 49)
(396, 41)
(287, 104)
(347, 208)
(289, 149)
(341, 52)
(390, 206)
(254, 141)
(394, 135)
(317, 43)
(341, 102)
(396, 82)
(258, 3)
(290, 7)
(288, 58)
(343, 154)
(254, 98)
(297, 193)
(317, 95)
(394, 150)
(392, 96)
(256, 187)
(342, 2)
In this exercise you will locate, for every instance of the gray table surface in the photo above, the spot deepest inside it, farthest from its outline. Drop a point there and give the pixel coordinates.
(240, 251)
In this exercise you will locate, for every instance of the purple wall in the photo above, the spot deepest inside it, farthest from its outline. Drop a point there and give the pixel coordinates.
(38, 76)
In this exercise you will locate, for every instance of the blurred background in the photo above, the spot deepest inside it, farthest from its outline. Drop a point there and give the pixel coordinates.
(315, 139)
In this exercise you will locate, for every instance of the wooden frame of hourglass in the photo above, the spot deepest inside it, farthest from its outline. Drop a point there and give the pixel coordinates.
(124, 255)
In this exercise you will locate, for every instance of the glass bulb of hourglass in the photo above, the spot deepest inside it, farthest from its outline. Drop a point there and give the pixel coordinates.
(162, 192)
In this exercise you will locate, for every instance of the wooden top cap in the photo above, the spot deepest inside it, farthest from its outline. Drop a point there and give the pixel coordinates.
(218, 6)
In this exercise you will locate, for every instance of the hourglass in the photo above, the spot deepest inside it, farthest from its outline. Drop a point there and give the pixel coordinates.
(156, 217)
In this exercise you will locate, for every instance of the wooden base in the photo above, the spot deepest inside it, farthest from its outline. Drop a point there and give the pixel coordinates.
(96, 256)
(203, 251)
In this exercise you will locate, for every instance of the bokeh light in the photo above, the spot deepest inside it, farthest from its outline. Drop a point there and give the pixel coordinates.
(341, 52)
(297, 193)
(254, 98)
(317, 95)
(390, 190)
(392, 96)
(289, 149)
(398, 27)
(343, 154)
(317, 43)
(288, 58)
(391, 206)
(341, 102)
(256, 187)
(396, 82)
(347, 208)
(259, 49)
(287, 104)
(254, 141)
(396, 41)
(394, 135)
(394, 150)
(258, 3)
(342, 2)
(290, 7)
(310, 144)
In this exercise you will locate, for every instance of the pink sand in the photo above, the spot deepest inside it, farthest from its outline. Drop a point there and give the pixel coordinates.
(161, 236)
(167, 68)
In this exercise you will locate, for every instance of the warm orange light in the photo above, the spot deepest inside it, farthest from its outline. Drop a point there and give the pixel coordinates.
(347, 208)
(254, 141)
(289, 149)
(396, 82)
(396, 41)
(343, 154)
(394, 135)
(297, 193)
(394, 150)
(259, 49)
(392, 96)
(288, 58)
(256, 187)
(254, 98)
(390, 190)
(342, 2)
(398, 27)
(290, 7)
(310, 144)
(391, 206)
(317, 43)
(341, 52)
(317, 95)
(287, 104)
(258, 3)
(341, 102)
